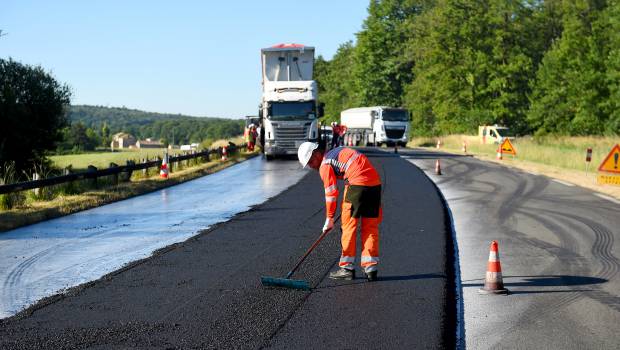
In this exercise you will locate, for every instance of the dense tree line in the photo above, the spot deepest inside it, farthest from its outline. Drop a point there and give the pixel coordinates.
(32, 114)
(537, 66)
(101, 123)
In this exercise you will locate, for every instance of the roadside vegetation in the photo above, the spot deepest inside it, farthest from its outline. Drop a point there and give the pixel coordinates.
(101, 160)
(538, 67)
(560, 157)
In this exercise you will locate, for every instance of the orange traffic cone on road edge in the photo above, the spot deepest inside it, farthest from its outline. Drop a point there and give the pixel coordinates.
(438, 144)
(493, 282)
(224, 153)
(464, 146)
(437, 167)
(163, 171)
(499, 153)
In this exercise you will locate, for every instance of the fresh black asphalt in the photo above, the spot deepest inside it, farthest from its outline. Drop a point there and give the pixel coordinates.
(206, 291)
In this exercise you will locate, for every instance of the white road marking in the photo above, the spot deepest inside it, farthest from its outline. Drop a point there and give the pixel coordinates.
(613, 200)
(563, 182)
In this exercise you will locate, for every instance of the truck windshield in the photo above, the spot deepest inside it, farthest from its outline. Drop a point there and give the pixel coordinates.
(292, 110)
(398, 115)
(505, 132)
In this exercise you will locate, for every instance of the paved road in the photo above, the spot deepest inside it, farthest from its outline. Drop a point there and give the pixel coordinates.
(37, 261)
(559, 252)
(206, 292)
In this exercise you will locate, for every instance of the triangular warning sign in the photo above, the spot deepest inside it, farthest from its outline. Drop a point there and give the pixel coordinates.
(611, 164)
(507, 147)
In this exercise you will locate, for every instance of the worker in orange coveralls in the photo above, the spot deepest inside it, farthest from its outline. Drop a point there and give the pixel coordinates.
(361, 203)
(251, 138)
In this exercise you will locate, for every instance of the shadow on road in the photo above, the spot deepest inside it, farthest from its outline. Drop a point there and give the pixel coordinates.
(543, 281)
(361, 280)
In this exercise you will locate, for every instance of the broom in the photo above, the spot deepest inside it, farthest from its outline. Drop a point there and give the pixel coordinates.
(287, 282)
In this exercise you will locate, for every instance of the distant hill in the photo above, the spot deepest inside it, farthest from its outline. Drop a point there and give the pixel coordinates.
(176, 128)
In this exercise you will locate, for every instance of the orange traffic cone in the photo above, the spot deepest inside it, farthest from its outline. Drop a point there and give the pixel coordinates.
(493, 282)
(499, 153)
(438, 144)
(437, 167)
(163, 171)
(464, 146)
(224, 153)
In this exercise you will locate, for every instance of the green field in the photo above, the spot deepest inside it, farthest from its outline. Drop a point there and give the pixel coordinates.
(103, 159)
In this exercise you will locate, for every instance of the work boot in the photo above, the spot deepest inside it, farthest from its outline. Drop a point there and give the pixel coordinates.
(342, 274)
(371, 276)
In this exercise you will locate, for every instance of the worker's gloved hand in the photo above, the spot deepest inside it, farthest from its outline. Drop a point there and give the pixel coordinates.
(329, 224)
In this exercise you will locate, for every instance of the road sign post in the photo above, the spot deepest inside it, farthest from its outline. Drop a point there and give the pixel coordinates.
(588, 159)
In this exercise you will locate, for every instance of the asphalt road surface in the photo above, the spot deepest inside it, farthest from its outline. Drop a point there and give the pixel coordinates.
(206, 291)
(559, 252)
(39, 260)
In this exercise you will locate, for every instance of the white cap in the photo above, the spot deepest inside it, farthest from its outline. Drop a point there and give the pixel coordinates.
(304, 153)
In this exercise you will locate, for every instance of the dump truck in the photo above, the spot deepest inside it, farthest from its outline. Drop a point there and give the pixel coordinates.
(289, 112)
(375, 126)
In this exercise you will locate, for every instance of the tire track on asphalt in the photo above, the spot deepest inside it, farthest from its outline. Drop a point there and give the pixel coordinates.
(601, 249)
(602, 246)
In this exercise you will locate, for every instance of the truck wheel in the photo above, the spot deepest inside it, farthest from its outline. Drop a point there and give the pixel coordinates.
(268, 157)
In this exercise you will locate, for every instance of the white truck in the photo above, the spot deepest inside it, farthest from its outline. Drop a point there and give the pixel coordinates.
(375, 126)
(288, 110)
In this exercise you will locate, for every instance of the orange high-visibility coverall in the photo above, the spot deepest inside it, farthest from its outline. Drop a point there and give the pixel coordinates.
(355, 169)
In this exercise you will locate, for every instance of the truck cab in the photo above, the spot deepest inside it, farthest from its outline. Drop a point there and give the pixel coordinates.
(376, 125)
(289, 110)
(494, 133)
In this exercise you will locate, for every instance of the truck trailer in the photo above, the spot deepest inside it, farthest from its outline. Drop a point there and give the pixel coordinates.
(375, 126)
(288, 110)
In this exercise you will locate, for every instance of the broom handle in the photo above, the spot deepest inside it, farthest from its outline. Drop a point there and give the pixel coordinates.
(310, 250)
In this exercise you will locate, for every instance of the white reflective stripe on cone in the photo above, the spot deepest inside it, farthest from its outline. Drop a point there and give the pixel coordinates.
(347, 259)
(330, 199)
(493, 256)
(370, 259)
(493, 276)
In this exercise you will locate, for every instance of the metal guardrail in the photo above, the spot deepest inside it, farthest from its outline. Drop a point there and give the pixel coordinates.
(94, 173)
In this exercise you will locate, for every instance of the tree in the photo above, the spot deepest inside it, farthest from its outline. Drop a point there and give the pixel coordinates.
(336, 84)
(573, 87)
(32, 113)
(612, 74)
(382, 65)
(472, 65)
(105, 135)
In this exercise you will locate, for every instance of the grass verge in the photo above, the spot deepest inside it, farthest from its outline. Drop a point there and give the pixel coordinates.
(562, 158)
(40, 210)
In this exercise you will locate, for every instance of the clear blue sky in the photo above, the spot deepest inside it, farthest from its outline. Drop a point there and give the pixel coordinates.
(198, 58)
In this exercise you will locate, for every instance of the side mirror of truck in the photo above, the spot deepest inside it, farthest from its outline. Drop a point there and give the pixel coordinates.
(321, 109)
